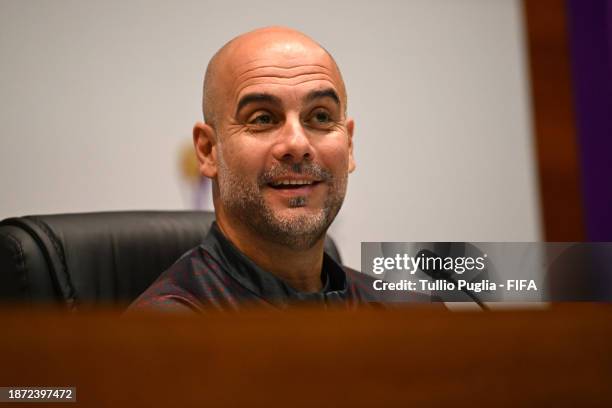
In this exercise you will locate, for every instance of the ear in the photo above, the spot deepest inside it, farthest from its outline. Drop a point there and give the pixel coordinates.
(350, 127)
(205, 144)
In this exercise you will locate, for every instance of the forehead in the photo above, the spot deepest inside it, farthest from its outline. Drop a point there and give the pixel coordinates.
(285, 65)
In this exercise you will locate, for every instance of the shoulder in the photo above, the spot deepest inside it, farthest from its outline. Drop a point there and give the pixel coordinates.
(181, 286)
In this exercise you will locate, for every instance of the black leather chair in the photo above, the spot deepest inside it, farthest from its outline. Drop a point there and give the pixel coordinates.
(95, 258)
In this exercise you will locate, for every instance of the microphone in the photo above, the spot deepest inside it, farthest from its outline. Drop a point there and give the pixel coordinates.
(441, 273)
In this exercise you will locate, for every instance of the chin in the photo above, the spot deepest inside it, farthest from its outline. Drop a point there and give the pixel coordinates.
(303, 214)
(301, 217)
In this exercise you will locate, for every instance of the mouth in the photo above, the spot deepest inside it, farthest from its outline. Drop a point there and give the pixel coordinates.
(294, 187)
(292, 184)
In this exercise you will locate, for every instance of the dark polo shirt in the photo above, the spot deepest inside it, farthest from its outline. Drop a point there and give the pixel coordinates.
(217, 275)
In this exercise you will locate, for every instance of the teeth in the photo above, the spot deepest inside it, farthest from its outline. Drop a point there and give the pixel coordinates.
(291, 182)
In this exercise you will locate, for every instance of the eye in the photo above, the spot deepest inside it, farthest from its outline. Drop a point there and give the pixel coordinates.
(261, 119)
(321, 118)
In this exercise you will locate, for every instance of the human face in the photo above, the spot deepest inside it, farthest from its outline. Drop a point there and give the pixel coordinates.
(285, 146)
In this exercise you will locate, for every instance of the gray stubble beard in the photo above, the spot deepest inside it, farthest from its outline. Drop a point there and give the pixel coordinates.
(244, 201)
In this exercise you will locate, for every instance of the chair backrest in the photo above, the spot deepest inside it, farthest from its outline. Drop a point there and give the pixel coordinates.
(90, 258)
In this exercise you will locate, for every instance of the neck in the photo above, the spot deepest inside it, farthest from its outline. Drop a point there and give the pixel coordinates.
(301, 269)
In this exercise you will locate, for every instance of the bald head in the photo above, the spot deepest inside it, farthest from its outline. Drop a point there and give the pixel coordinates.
(274, 46)
(276, 140)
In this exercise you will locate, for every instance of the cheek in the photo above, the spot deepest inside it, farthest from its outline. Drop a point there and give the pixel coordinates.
(244, 158)
(334, 153)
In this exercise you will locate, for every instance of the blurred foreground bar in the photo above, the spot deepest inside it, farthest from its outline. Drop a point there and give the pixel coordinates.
(306, 358)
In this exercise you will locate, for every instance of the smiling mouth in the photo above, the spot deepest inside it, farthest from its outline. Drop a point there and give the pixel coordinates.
(293, 184)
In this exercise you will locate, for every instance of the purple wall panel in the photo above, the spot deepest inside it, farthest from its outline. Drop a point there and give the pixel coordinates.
(590, 26)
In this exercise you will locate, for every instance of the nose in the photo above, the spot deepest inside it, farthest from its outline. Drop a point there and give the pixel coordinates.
(293, 144)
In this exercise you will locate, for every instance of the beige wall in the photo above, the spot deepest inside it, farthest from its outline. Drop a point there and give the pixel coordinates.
(98, 98)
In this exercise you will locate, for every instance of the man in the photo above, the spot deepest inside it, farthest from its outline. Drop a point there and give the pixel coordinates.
(278, 147)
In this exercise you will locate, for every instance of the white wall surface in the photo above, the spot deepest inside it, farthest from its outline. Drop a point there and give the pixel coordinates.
(97, 99)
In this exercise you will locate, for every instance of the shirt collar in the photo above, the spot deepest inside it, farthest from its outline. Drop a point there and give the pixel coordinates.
(266, 285)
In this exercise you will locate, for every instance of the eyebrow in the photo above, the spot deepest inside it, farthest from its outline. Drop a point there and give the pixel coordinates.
(323, 93)
(269, 98)
(257, 97)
